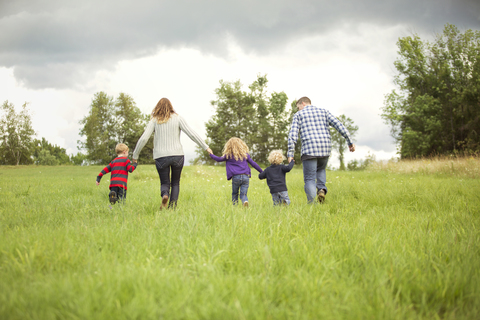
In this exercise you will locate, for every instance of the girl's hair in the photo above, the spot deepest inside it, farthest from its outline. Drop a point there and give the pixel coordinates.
(235, 148)
(276, 157)
(163, 110)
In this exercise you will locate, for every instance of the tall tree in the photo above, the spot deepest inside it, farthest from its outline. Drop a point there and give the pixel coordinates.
(260, 144)
(16, 135)
(44, 152)
(99, 130)
(339, 143)
(234, 117)
(130, 123)
(437, 108)
(110, 122)
(260, 121)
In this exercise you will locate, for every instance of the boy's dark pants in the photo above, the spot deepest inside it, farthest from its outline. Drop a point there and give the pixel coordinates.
(121, 193)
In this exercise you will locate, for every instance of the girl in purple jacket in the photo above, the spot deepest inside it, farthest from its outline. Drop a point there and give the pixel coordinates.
(235, 153)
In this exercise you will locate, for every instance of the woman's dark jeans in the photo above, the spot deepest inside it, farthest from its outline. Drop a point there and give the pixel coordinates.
(164, 164)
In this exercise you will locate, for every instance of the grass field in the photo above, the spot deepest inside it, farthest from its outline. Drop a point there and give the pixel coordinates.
(386, 245)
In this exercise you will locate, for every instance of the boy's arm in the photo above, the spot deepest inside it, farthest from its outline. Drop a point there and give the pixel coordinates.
(262, 175)
(218, 159)
(254, 164)
(104, 171)
(289, 167)
(131, 166)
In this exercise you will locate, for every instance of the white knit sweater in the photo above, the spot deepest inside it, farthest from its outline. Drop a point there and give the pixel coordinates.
(166, 141)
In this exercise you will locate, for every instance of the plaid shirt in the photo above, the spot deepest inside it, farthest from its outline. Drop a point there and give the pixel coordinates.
(313, 124)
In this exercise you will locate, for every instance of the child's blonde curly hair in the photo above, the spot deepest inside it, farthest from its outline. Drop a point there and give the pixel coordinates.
(276, 157)
(235, 148)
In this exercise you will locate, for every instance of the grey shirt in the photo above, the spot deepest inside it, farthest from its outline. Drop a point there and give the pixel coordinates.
(166, 140)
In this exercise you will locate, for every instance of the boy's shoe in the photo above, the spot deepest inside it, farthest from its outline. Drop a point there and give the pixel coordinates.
(245, 204)
(321, 195)
(164, 202)
(113, 197)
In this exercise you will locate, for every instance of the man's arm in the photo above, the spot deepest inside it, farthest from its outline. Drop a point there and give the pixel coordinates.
(292, 138)
(334, 122)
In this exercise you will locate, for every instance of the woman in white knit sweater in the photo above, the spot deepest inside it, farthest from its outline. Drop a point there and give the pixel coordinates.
(167, 149)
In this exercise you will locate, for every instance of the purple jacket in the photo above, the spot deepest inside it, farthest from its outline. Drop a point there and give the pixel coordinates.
(235, 167)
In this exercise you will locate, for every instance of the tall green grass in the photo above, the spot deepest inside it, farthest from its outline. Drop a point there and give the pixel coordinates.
(384, 246)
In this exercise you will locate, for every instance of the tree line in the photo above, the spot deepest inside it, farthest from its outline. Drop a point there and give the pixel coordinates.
(435, 111)
(108, 122)
(262, 120)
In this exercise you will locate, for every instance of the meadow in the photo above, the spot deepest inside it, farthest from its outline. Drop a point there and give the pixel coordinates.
(387, 244)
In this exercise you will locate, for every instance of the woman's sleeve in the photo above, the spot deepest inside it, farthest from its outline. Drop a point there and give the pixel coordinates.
(192, 134)
(144, 138)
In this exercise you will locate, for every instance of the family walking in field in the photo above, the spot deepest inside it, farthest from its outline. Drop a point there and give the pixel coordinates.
(310, 122)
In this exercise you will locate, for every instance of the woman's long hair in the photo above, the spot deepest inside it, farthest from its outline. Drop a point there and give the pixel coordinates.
(163, 110)
(235, 148)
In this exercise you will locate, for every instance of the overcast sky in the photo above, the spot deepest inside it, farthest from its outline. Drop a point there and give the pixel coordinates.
(56, 55)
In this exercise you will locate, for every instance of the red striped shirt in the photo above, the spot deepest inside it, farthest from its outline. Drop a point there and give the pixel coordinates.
(119, 169)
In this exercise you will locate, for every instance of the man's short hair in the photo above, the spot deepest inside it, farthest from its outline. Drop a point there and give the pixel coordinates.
(304, 99)
(120, 148)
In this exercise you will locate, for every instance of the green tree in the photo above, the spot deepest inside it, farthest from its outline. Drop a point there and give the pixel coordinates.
(261, 126)
(44, 158)
(436, 109)
(99, 130)
(16, 135)
(58, 153)
(260, 121)
(110, 122)
(130, 124)
(234, 117)
(339, 143)
(78, 159)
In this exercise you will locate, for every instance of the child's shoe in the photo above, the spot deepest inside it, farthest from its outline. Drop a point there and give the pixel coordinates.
(245, 204)
(321, 195)
(113, 197)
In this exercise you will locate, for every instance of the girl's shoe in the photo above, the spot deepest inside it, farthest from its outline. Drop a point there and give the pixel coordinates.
(164, 202)
(245, 204)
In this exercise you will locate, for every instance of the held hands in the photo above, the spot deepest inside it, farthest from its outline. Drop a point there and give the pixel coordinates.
(209, 150)
(134, 160)
(351, 147)
(290, 159)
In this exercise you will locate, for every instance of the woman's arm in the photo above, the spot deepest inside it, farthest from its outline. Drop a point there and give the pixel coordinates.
(192, 134)
(143, 139)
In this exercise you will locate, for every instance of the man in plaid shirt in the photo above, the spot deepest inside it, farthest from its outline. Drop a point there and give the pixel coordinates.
(313, 124)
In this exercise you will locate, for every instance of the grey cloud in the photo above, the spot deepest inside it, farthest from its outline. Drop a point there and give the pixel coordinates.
(48, 39)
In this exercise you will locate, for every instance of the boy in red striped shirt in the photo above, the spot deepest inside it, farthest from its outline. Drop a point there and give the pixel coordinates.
(119, 168)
